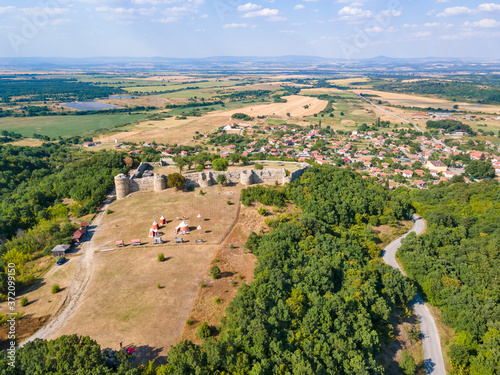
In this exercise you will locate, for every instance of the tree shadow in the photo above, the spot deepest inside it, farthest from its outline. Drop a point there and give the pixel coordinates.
(226, 274)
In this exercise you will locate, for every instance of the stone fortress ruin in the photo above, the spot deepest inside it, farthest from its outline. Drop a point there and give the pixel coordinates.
(142, 179)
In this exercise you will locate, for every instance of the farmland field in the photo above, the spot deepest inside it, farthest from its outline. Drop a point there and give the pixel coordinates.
(55, 126)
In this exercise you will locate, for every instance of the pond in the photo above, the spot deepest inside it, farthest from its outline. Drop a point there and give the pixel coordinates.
(89, 106)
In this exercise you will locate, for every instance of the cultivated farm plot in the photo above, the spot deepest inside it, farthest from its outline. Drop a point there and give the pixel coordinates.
(123, 302)
(55, 126)
(407, 100)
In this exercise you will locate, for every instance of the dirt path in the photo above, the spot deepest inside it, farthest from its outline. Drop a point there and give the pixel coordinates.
(78, 286)
(433, 357)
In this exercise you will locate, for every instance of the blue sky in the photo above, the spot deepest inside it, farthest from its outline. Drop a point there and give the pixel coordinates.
(202, 28)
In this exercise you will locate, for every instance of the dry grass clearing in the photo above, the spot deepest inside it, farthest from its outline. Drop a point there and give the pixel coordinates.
(425, 102)
(123, 302)
(173, 131)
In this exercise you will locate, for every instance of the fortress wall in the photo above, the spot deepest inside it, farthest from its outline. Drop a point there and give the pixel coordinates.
(126, 185)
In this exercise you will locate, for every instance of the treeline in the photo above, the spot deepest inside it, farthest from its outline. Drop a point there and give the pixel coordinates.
(449, 125)
(456, 264)
(33, 178)
(452, 90)
(34, 111)
(56, 89)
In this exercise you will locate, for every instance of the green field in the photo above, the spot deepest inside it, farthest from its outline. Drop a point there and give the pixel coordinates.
(55, 126)
(171, 86)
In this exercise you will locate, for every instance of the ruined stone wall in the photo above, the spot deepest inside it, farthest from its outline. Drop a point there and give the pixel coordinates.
(125, 185)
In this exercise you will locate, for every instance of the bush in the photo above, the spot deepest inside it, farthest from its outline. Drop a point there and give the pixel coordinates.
(108, 211)
(161, 257)
(24, 301)
(215, 272)
(189, 322)
(200, 168)
(203, 285)
(263, 211)
(259, 166)
(56, 288)
(217, 300)
(407, 364)
(203, 331)
(221, 179)
(228, 202)
(175, 180)
(220, 164)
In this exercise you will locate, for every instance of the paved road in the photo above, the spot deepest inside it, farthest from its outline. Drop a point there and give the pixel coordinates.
(433, 357)
(398, 117)
(78, 285)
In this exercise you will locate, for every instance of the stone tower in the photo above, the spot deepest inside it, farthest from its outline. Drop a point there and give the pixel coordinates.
(246, 177)
(160, 182)
(122, 186)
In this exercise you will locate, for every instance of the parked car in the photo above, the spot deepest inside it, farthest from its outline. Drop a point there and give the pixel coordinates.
(61, 261)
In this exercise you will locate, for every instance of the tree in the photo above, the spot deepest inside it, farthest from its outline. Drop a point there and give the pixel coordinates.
(407, 364)
(203, 331)
(220, 164)
(215, 272)
(181, 163)
(235, 157)
(221, 179)
(480, 169)
(176, 180)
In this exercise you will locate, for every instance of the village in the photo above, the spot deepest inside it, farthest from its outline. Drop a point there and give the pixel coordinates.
(396, 154)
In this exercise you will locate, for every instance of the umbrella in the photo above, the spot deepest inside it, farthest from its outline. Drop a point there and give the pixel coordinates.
(199, 227)
(130, 350)
(199, 216)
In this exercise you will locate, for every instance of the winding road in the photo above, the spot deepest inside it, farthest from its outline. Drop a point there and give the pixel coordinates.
(433, 357)
(78, 285)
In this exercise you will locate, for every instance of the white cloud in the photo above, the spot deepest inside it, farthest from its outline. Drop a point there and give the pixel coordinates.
(485, 23)
(374, 29)
(298, 6)
(350, 13)
(489, 7)
(6, 9)
(266, 12)
(248, 7)
(455, 11)
(238, 25)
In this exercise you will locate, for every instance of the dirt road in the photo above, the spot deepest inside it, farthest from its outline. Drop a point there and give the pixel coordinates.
(433, 357)
(78, 286)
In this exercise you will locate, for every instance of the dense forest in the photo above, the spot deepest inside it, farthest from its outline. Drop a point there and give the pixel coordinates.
(452, 90)
(456, 264)
(42, 89)
(33, 183)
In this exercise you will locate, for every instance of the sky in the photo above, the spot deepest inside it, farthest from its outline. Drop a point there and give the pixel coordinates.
(350, 29)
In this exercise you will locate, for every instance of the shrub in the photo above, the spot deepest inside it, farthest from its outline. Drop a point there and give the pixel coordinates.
(221, 179)
(231, 246)
(258, 166)
(228, 202)
(203, 285)
(263, 211)
(203, 331)
(189, 322)
(56, 288)
(201, 192)
(175, 180)
(161, 257)
(215, 272)
(108, 211)
(24, 301)
(200, 168)
(217, 300)
(407, 364)
(158, 286)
